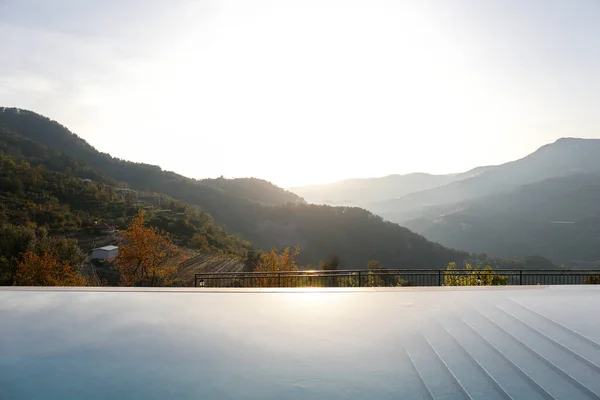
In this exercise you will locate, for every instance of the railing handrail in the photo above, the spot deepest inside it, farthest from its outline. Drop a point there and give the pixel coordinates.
(398, 277)
(401, 271)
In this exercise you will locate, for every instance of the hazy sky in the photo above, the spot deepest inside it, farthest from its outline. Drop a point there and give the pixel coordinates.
(307, 91)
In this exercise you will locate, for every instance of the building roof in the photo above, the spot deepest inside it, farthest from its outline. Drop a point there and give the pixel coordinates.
(380, 343)
(107, 248)
(102, 226)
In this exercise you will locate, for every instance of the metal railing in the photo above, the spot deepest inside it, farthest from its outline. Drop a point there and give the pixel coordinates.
(390, 277)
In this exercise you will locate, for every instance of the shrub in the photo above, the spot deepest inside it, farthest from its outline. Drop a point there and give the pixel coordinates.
(472, 277)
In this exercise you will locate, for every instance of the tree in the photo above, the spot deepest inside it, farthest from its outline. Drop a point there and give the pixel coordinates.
(284, 262)
(378, 276)
(14, 241)
(374, 277)
(67, 250)
(45, 268)
(274, 262)
(472, 277)
(374, 265)
(147, 256)
(199, 242)
(330, 263)
(592, 280)
(252, 260)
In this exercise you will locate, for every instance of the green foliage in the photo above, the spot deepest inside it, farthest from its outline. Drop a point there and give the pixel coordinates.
(66, 205)
(470, 276)
(20, 149)
(15, 241)
(199, 242)
(378, 276)
(66, 249)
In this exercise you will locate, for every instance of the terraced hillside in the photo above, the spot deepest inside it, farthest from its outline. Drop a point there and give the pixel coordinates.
(196, 262)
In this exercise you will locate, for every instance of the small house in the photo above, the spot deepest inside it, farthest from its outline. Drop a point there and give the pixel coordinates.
(101, 229)
(105, 253)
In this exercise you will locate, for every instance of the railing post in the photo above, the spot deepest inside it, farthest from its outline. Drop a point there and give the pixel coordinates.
(195, 280)
(521, 277)
(359, 279)
(279, 279)
(439, 277)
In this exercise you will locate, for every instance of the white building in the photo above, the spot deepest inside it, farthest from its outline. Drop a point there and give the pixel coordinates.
(105, 253)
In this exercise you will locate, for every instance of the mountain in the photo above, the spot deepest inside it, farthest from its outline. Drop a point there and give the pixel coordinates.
(558, 218)
(220, 197)
(564, 157)
(140, 176)
(367, 190)
(545, 204)
(258, 211)
(71, 206)
(361, 192)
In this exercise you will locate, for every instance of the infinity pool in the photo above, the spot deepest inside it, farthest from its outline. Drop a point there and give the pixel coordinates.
(436, 343)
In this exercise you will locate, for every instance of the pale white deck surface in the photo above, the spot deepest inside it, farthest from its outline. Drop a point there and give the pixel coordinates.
(430, 343)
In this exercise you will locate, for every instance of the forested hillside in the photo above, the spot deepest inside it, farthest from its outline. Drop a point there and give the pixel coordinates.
(557, 218)
(21, 148)
(66, 205)
(140, 176)
(355, 235)
(257, 210)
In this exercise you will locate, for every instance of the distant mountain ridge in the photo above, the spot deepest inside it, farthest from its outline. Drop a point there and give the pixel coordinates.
(543, 204)
(564, 157)
(558, 218)
(363, 191)
(401, 198)
(260, 212)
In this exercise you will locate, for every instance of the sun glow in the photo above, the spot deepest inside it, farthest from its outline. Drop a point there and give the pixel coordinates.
(303, 298)
(323, 90)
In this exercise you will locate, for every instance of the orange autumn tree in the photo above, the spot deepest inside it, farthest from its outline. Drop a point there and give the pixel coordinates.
(274, 262)
(147, 256)
(46, 269)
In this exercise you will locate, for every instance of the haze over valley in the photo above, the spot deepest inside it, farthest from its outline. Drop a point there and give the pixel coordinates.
(543, 204)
